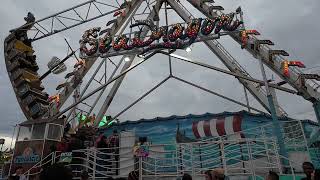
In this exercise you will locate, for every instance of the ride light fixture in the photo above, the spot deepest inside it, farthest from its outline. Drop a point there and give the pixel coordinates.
(188, 49)
(127, 59)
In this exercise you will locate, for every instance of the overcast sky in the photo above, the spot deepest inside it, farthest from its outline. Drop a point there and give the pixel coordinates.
(291, 24)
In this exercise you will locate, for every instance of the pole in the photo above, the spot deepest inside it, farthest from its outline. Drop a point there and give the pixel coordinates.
(316, 107)
(242, 159)
(252, 168)
(247, 99)
(14, 130)
(140, 168)
(265, 145)
(200, 157)
(13, 154)
(275, 121)
(223, 157)
(94, 163)
(192, 163)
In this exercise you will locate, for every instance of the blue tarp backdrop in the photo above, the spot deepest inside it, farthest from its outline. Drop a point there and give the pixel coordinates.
(162, 130)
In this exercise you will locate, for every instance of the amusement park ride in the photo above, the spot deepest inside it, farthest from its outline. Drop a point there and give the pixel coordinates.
(136, 33)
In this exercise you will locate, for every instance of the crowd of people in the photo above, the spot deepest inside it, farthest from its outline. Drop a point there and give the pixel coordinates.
(310, 172)
(62, 172)
(110, 145)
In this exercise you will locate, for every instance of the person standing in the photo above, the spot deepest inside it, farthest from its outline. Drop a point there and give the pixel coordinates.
(18, 175)
(272, 176)
(133, 175)
(315, 175)
(56, 172)
(308, 169)
(186, 177)
(113, 141)
(102, 155)
(62, 146)
(216, 174)
(84, 175)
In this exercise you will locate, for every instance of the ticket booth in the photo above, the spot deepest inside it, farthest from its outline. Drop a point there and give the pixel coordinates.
(34, 142)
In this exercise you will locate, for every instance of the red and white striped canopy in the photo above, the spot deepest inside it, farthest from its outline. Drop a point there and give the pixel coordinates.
(217, 127)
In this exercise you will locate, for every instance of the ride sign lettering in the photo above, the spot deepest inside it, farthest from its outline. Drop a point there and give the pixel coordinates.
(173, 37)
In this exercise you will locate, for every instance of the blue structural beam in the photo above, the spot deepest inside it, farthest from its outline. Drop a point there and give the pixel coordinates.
(275, 121)
(315, 137)
(277, 131)
(316, 107)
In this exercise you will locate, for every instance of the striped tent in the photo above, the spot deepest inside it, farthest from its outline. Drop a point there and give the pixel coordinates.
(217, 127)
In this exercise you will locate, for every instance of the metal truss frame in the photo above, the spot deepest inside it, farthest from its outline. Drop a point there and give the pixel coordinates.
(90, 61)
(309, 91)
(41, 29)
(146, 58)
(113, 91)
(267, 98)
(231, 63)
(254, 86)
(306, 88)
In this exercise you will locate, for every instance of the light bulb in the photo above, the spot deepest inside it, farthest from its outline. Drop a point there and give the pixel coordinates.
(188, 49)
(141, 56)
(126, 59)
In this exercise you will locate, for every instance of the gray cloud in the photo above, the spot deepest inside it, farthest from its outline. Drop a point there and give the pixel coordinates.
(292, 25)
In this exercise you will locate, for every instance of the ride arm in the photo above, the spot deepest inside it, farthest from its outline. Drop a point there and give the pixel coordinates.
(263, 52)
(117, 84)
(74, 82)
(230, 62)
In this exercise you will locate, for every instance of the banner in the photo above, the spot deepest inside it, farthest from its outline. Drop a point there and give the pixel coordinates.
(65, 157)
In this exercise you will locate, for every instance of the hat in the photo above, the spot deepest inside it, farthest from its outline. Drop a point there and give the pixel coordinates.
(72, 131)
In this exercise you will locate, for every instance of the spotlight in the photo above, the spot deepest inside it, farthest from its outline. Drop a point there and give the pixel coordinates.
(188, 49)
(126, 59)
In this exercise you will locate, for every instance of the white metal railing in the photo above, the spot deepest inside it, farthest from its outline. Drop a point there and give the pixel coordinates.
(292, 132)
(47, 160)
(1, 170)
(248, 158)
(315, 156)
(253, 155)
